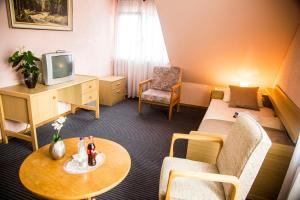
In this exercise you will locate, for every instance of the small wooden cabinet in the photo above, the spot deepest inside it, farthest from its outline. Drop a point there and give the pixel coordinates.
(111, 90)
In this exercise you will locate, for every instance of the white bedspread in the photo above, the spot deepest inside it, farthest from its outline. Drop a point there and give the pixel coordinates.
(220, 111)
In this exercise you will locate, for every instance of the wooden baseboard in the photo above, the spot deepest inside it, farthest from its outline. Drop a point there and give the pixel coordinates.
(192, 106)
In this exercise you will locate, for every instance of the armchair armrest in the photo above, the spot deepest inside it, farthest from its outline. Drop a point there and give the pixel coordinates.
(144, 82)
(141, 84)
(201, 136)
(176, 86)
(206, 177)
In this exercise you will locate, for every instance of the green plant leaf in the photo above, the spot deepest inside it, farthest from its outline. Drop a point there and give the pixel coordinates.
(55, 137)
(16, 61)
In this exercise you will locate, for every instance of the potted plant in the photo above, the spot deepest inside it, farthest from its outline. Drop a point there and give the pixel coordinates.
(57, 148)
(27, 63)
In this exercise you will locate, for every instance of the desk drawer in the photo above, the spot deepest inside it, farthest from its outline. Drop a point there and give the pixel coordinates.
(88, 86)
(117, 96)
(117, 85)
(89, 96)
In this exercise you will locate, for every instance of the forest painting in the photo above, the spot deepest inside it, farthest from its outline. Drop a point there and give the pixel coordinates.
(41, 14)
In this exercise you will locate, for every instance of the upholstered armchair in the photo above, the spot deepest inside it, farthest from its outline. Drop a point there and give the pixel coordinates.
(164, 89)
(240, 157)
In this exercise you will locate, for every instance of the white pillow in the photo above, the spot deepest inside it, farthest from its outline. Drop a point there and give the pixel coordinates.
(226, 97)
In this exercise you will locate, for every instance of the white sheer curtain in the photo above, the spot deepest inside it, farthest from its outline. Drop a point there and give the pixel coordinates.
(139, 42)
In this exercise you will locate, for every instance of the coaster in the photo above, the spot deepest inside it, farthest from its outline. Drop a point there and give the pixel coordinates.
(73, 167)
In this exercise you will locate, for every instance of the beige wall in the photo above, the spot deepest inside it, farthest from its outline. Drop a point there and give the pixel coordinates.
(289, 76)
(225, 42)
(91, 40)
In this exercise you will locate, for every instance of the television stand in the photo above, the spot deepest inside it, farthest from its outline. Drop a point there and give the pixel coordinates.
(39, 106)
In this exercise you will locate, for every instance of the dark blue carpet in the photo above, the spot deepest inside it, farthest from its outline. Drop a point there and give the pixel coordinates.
(147, 138)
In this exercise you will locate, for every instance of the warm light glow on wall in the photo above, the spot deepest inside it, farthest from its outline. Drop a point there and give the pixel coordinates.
(244, 84)
(247, 76)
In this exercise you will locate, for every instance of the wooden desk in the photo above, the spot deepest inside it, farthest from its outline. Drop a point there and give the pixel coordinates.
(40, 105)
(46, 177)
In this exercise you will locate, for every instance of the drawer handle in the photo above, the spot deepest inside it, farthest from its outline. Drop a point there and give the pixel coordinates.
(90, 97)
(118, 84)
(90, 86)
(54, 97)
(118, 91)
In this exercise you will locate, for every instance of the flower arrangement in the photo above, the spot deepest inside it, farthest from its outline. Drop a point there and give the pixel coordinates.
(26, 62)
(57, 125)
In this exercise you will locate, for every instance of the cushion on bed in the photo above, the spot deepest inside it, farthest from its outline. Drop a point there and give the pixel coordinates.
(260, 96)
(243, 97)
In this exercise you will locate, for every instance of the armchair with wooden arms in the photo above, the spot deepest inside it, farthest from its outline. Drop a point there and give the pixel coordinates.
(239, 159)
(164, 90)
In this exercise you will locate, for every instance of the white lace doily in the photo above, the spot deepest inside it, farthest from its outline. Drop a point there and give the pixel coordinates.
(73, 167)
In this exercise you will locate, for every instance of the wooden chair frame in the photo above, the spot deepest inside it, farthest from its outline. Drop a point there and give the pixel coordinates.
(208, 137)
(175, 99)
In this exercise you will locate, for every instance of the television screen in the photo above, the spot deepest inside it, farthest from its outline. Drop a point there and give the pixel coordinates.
(62, 66)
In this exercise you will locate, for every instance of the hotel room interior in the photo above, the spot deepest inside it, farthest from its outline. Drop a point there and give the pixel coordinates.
(150, 99)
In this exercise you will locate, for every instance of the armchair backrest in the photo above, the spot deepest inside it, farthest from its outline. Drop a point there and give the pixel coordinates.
(164, 78)
(243, 153)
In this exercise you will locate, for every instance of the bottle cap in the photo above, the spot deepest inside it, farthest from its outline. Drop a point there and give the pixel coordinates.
(81, 138)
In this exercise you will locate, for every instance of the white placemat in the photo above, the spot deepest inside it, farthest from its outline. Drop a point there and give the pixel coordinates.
(73, 167)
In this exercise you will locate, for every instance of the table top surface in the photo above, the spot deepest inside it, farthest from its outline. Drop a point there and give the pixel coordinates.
(45, 177)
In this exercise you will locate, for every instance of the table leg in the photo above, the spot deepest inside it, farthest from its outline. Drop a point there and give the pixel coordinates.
(2, 123)
(32, 126)
(97, 106)
(73, 108)
(34, 138)
(97, 110)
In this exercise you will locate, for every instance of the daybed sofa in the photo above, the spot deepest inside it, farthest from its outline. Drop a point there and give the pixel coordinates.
(219, 119)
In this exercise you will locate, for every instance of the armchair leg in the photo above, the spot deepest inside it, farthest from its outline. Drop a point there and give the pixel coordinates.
(140, 106)
(178, 106)
(170, 111)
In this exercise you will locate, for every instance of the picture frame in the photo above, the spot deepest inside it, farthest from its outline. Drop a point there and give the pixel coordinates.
(40, 14)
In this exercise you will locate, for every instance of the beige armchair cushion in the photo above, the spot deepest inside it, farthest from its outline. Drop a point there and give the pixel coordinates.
(189, 188)
(164, 78)
(243, 153)
(158, 96)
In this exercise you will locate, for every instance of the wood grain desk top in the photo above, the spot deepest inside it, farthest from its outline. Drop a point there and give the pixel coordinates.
(22, 90)
(46, 177)
(112, 78)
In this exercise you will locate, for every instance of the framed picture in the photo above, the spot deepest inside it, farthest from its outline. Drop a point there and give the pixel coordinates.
(41, 14)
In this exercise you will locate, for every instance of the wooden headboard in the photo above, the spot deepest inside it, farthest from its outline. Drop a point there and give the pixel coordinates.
(287, 111)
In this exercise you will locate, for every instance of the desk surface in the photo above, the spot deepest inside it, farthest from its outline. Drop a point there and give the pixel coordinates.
(46, 177)
(24, 91)
(112, 78)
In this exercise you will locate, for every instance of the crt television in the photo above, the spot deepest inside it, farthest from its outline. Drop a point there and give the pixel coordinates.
(58, 67)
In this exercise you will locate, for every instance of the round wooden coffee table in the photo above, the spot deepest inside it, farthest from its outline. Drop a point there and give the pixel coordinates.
(46, 177)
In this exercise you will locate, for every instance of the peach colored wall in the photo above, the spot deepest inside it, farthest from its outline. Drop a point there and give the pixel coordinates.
(289, 76)
(224, 42)
(195, 94)
(91, 40)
